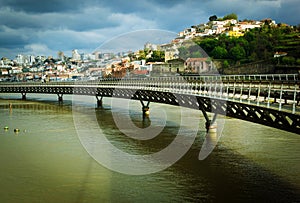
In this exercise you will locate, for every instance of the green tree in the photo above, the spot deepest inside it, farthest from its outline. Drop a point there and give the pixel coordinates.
(25, 70)
(157, 55)
(253, 57)
(208, 45)
(213, 18)
(225, 64)
(219, 53)
(230, 16)
(183, 52)
(196, 54)
(142, 54)
(289, 60)
(237, 53)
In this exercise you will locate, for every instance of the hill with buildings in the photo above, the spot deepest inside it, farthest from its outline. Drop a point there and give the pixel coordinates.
(226, 44)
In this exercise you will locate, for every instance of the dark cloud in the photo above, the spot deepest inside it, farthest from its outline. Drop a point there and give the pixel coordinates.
(48, 6)
(52, 25)
(86, 19)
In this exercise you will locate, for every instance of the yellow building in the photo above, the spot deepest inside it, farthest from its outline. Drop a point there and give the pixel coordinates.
(235, 33)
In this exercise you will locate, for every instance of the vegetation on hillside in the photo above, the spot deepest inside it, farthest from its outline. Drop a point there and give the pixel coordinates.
(256, 45)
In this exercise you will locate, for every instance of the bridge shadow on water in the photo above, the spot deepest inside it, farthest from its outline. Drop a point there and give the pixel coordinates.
(224, 176)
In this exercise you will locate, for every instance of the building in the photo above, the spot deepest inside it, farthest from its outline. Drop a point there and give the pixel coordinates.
(198, 65)
(75, 55)
(235, 33)
(20, 59)
(40, 58)
(176, 65)
(149, 46)
(61, 56)
(31, 59)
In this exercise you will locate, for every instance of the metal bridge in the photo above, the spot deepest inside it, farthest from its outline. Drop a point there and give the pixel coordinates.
(271, 100)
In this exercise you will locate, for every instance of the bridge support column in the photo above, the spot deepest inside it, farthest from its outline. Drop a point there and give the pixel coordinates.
(99, 102)
(208, 122)
(60, 97)
(145, 109)
(23, 95)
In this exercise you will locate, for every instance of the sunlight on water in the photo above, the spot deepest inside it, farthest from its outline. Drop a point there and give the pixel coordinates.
(45, 161)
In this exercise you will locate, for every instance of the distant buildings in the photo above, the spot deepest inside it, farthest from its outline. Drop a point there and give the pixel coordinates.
(230, 27)
(132, 63)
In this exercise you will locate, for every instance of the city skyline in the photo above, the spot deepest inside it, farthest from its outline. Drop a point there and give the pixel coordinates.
(44, 28)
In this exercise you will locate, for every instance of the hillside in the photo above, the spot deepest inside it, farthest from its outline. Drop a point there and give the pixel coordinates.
(255, 45)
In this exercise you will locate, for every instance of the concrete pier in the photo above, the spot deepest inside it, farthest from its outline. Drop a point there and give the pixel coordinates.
(99, 102)
(23, 96)
(146, 111)
(60, 97)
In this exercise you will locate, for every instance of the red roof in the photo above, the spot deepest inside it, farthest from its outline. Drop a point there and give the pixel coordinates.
(195, 59)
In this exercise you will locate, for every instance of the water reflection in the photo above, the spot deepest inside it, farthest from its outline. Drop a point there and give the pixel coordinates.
(47, 162)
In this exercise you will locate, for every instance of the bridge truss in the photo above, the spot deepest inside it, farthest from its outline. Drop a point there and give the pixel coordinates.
(271, 100)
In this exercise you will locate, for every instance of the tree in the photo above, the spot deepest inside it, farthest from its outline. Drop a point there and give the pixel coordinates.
(208, 45)
(225, 64)
(196, 54)
(219, 53)
(253, 57)
(237, 53)
(142, 55)
(25, 70)
(213, 18)
(183, 52)
(289, 60)
(230, 16)
(158, 56)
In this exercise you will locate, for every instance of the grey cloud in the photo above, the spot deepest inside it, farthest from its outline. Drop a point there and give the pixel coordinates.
(85, 24)
(87, 19)
(36, 6)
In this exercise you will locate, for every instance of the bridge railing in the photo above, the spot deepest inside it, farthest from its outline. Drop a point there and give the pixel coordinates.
(280, 89)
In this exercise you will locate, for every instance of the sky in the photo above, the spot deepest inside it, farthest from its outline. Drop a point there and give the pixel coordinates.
(45, 27)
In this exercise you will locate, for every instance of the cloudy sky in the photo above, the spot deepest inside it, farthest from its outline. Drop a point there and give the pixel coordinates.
(46, 27)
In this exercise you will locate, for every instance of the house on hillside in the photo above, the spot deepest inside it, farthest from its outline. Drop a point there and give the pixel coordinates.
(198, 65)
(176, 65)
(279, 54)
(235, 33)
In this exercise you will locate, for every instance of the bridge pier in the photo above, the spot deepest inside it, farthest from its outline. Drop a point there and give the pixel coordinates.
(145, 109)
(208, 123)
(99, 102)
(60, 97)
(23, 95)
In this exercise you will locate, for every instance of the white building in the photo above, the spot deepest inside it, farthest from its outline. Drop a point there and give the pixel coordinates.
(20, 59)
(75, 55)
(150, 46)
(31, 59)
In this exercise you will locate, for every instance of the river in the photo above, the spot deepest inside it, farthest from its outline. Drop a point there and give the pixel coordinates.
(46, 161)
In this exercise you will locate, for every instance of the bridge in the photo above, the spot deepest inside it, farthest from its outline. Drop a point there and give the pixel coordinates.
(271, 100)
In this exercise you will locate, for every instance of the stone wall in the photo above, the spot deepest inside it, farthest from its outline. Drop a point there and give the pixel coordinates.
(257, 68)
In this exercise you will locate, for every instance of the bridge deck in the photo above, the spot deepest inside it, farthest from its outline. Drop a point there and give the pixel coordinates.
(268, 100)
